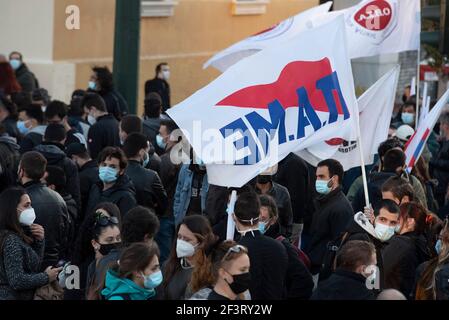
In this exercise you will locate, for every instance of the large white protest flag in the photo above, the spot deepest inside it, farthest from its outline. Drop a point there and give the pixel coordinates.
(283, 31)
(415, 145)
(375, 109)
(280, 100)
(376, 27)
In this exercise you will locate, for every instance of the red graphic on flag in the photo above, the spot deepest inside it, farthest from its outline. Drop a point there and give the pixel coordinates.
(375, 15)
(295, 75)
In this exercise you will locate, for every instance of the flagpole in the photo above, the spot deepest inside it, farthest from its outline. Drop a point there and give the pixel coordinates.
(417, 88)
(362, 163)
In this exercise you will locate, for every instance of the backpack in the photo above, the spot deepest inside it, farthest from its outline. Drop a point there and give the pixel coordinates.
(329, 260)
(301, 254)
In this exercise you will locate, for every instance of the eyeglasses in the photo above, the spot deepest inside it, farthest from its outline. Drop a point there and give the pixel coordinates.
(235, 249)
(104, 221)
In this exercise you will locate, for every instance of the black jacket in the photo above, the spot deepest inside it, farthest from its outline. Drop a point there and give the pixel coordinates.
(55, 156)
(122, 193)
(115, 103)
(9, 160)
(216, 204)
(401, 258)
(293, 174)
(52, 215)
(283, 202)
(332, 214)
(151, 129)
(26, 79)
(169, 177)
(104, 133)
(267, 278)
(11, 128)
(88, 174)
(149, 189)
(375, 182)
(343, 285)
(161, 87)
(440, 171)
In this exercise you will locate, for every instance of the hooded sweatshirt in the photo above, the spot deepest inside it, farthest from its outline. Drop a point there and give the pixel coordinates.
(117, 288)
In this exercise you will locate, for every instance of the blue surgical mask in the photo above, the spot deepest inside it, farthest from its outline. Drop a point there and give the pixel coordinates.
(146, 160)
(153, 280)
(15, 64)
(107, 174)
(22, 127)
(384, 232)
(397, 228)
(160, 142)
(92, 85)
(438, 246)
(408, 118)
(263, 226)
(322, 187)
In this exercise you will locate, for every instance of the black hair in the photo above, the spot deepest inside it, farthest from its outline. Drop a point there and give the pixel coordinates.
(138, 223)
(335, 168)
(131, 123)
(104, 78)
(33, 164)
(9, 106)
(55, 132)
(56, 108)
(269, 202)
(113, 152)
(247, 208)
(388, 205)
(16, 52)
(134, 143)
(92, 99)
(9, 219)
(170, 124)
(57, 177)
(153, 105)
(34, 111)
(389, 144)
(159, 67)
(393, 159)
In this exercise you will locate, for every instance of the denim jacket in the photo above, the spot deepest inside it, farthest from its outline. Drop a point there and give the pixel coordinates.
(184, 192)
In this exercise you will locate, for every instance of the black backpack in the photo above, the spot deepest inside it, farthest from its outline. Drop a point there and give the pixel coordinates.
(329, 261)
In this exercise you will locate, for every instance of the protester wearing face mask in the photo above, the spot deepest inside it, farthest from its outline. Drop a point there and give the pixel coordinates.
(101, 82)
(136, 275)
(332, 212)
(114, 185)
(267, 278)
(22, 243)
(299, 282)
(25, 77)
(160, 85)
(105, 128)
(191, 190)
(433, 276)
(407, 250)
(355, 267)
(266, 185)
(231, 265)
(188, 268)
(378, 232)
(31, 126)
(99, 227)
(149, 189)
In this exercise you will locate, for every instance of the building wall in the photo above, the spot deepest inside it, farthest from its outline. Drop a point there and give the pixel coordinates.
(198, 29)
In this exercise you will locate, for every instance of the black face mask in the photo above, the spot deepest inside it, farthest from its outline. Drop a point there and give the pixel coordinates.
(241, 282)
(106, 248)
(264, 179)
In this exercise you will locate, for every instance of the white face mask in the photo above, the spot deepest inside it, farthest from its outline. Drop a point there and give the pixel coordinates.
(27, 217)
(166, 75)
(384, 232)
(91, 120)
(184, 249)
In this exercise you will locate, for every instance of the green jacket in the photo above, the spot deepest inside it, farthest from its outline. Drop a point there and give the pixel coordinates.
(116, 288)
(416, 184)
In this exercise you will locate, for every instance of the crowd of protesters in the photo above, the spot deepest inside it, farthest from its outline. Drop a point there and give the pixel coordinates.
(85, 184)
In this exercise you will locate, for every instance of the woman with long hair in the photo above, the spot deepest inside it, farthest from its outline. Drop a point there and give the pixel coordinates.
(188, 268)
(433, 284)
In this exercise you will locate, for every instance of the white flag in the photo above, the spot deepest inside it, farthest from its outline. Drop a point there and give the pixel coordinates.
(280, 100)
(415, 145)
(375, 109)
(376, 27)
(284, 31)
